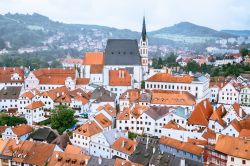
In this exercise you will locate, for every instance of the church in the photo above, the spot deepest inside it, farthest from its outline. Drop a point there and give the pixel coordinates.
(122, 65)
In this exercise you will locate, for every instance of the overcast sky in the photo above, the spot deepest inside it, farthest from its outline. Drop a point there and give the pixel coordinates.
(217, 14)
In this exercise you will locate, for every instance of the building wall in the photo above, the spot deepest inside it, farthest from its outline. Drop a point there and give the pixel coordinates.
(237, 161)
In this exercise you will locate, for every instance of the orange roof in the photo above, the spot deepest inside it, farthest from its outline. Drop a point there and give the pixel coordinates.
(173, 125)
(172, 97)
(236, 124)
(184, 146)
(124, 115)
(55, 93)
(119, 77)
(82, 81)
(93, 58)
(244, 133)
(72, 60)
(2, 129)
(73, 149)
(54, 75)
(6, 74)
(2, 144)
(28, 95)
(233, 146)
(135, 111)
(22, 129)
(124, 145)
(121, 162)
(209, 134)
(237, 109)
(134, 95)
(165, 77)
(109, 109)
(88, 129)
(35, 105)
(96, 69)
(197, 141)
(218, 84)
(218, 115)
(103, 120)
(67, 159)
(201, 113)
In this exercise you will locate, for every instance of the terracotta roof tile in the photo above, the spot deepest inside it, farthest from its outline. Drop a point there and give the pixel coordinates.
(184, 146)
(22, 129)
(237, 109)
(6, 74)
(96, 69)
(218, 115)
(35, 105)
(93, 58)
(124, 145)
(169, 97)
(103, 120)
(173, 125)
(82, 81)
(201, 113)
(238, 147)
(119, 77)
(71, 149)
(88, 129)
(165, 77)
(67, 159)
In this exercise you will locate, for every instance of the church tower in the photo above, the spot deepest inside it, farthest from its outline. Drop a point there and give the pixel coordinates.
(144, 48)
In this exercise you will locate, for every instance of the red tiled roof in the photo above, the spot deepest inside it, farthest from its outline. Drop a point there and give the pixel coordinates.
(119, 77)
(165, 77)
(93, 58)
(35, 105)
(124, 145)
(7, 72)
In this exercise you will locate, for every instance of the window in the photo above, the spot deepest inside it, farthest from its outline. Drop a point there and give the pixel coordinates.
(232, 159)
(243, 161)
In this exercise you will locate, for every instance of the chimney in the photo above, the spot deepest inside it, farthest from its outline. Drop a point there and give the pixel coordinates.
(123, 74)
(86, 161)
(48, 68)
(57, 94)
(182, 162)
(99, 160)
(240, 112)
(4, 68)
(123, 143)
(17, 141)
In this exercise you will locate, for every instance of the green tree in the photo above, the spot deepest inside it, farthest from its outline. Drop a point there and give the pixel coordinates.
(171, 60)
(62, 118)
(193, 66)
(11, 120)
(244, 52)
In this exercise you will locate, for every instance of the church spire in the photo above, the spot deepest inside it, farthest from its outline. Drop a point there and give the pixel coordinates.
(144, 32)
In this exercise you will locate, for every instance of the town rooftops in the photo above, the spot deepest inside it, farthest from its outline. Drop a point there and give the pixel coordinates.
(93, 58)
(43, 134)
(33, 153)
(165, 77)
(124, 145)
(88, 129)
(11, 74)
(119, 162)
(35, 105)
(63, 158)
(54, 75)
(120, 77)
(98, 161)
(157, 112)
(201, 114)
(233, 146)
(172, 97)
(122, 52)
(184, 146)
(22, 129)
(100, 94)
(10, 92)
(103, 120)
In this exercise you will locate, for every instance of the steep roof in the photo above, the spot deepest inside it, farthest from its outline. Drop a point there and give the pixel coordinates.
(96, 69)
(6, 74)
(124, 145)
(201, 113)
(43, 134)
(122, 52)
(237, 108)
(63, 158)
(238, 147)
(93, 58)
(88, 129)
(184, 146)
(165, 77)
(103, 120)
(120, 77)
(173, 125)
(22, 129)
(218, 115)
(35, 105)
